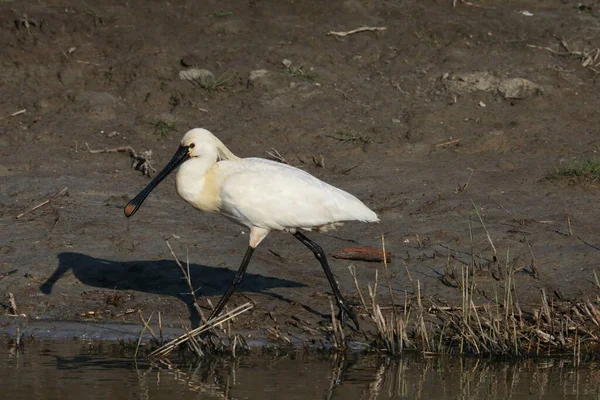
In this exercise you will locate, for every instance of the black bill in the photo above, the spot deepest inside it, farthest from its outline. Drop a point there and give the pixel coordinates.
(178, 158)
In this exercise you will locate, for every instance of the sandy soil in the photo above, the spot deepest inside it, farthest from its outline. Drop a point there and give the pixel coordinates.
(423, 121)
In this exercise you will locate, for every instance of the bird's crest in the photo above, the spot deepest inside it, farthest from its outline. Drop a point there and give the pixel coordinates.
(224, 153)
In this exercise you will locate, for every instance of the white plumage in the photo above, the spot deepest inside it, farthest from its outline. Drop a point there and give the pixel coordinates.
(259, 194)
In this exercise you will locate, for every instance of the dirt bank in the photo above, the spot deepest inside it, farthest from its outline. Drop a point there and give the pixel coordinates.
(423, 121)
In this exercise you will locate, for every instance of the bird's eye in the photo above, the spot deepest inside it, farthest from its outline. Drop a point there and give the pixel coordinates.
(192, 145)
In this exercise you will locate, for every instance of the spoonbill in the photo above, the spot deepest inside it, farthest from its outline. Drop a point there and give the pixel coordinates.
(261, 195)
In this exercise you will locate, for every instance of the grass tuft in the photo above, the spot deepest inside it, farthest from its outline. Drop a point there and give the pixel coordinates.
(347, 136)
(222, 14)
(300, 72)
(497, 328)
(163, 128)
(588, 170)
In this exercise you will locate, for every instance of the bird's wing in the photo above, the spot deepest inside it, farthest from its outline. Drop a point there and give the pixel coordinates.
(276, 196)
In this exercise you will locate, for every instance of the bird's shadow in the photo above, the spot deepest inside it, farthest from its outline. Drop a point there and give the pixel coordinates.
(162, 277)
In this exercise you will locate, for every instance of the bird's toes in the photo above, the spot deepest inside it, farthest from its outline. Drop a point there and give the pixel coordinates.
(345, 312)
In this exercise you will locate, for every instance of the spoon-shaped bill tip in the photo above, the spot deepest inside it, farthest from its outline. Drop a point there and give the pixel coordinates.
(130, 209)
(179, 157)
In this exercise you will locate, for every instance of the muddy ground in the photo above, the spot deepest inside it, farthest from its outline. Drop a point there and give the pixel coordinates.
(418, 120)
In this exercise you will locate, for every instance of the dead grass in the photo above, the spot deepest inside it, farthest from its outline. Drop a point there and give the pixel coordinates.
(498, 328)
(193, 339)
(197, 342)
(391, 327)
(589, 57)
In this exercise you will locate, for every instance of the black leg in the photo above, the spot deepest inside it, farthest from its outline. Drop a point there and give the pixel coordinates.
(345, 309)
(239, 276)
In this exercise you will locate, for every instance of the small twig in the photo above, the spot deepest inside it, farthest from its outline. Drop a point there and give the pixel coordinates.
(80, 61)
(160, 328)
(357, 30)
(347, 171)
(559, 53)
(587, 57)
(43, 203)
(569, 223)
(188, 279)
(23, 111)
(462, 188)
(588, 244)
(339, 340)
(275, 155)
(346, 97)
(387, 276)
(534, 268)
(352, 269)
(137, 347)
(126, 312)
(468, 3)
(519, 221)
(147, 324)
(192, 341)
(484, 227)
(283, 260)
(167, 348)
(13, 304)
(412, 283)
(447, 143)
(141, 162)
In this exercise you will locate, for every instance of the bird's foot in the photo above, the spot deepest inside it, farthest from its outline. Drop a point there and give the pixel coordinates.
(345, 312)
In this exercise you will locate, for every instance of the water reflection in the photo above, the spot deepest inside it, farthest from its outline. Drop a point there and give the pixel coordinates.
(103, 371)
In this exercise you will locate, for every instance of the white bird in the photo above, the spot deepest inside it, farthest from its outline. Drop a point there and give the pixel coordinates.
(258, 194)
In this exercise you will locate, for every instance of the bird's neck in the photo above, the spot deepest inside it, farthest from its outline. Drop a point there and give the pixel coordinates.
(190, 177)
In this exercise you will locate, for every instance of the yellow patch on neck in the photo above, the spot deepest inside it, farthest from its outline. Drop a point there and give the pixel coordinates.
(209, 198)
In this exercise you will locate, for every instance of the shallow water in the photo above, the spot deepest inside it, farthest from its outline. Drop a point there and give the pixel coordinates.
(60, 370)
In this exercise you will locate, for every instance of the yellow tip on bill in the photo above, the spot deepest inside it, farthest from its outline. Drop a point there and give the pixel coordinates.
(129, 209)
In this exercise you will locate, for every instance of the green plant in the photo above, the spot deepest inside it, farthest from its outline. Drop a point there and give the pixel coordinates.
(350, 136)
(585, 170)
(300, 72)
(222, 13)
(163, 127)
(220, 83)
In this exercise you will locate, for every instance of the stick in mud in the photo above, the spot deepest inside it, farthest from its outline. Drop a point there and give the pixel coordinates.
(13, 304)
(188, 279)
(357, 30)
(141, 161)
(169, 347)
(484, 227)
(146, 326)
(568, 223)
(23, 111)
(43, 203)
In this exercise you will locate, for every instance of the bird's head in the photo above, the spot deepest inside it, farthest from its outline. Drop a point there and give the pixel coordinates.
(197, 142)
